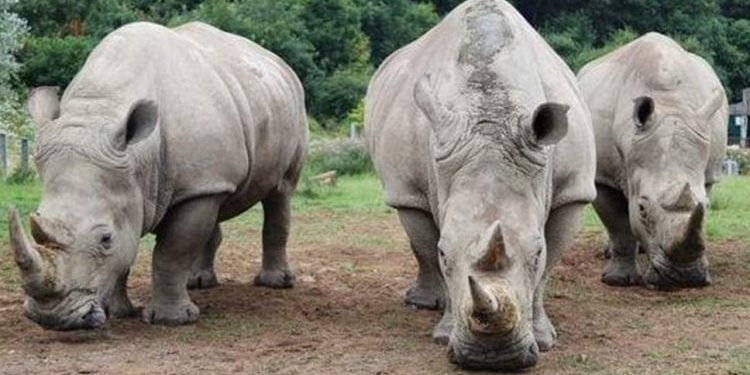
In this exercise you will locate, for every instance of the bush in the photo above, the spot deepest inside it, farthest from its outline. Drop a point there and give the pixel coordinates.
(742, 158)
(53, 61)
(345, 156)
(334, 97)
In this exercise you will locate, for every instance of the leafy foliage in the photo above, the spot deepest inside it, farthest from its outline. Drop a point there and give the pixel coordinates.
(742, 157)
(335, 45)
(53, 61)
(345, 156)
(12, 29)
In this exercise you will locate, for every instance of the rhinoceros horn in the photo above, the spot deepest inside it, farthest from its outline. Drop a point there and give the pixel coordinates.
(693, 239)
(483, 301)
(491, 312)
(691, 245)
(50, 232)
(34, 268)
(683, 201)
(492, 247)
(27, 258)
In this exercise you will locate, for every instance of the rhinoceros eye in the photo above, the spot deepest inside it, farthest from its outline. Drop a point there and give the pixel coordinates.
(106, 240)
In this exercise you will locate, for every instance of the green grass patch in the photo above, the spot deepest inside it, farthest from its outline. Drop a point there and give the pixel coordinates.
(729, 217)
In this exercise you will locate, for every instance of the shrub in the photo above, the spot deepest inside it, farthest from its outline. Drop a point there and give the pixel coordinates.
(741, 157)
(53, 61)
(345, 156)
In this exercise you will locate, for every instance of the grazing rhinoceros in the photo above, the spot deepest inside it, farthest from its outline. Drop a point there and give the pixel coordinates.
(165, 131)
(660, 117)
(484, 146)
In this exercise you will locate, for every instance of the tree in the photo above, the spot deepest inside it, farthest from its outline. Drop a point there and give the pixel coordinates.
(394, 23)
(12, 29)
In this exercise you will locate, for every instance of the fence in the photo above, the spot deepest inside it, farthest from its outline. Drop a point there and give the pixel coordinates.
(739, 141)
(14, 153)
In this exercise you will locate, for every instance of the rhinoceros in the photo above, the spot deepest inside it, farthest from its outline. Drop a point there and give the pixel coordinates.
(659, 116)
(484, 146)
(165, 131)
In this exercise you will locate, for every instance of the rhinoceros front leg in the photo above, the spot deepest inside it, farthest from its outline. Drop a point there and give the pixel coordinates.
(275, 272)
(120, 305)
(559, 232)
(202, 274)
(622, 267)
(180, 237)
(428, 291)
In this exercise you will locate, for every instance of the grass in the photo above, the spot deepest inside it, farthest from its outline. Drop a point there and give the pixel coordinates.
(729, 216)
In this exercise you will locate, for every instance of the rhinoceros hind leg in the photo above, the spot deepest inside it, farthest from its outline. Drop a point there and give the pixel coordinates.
(559, 232)
(202, 274)
(622, 268)
(275, 272)
(182, 235)
(120, 305)
(428, 292)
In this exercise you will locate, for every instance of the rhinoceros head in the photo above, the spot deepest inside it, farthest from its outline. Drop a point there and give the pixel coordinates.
(666, 164)
(491, 164)
(85, 232)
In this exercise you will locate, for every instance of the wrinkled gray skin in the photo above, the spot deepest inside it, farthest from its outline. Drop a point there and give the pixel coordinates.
(484, 146)
(165, 131)
(660, 116)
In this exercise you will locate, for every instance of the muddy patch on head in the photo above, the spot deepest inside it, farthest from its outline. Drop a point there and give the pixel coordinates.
(493, 113)
(487, 34)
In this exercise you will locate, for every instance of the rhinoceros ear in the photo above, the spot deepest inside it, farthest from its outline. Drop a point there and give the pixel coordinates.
(44, 105)
(713, 105)
(550, 123)
(142, 120)
(424, 96)
(644, 111)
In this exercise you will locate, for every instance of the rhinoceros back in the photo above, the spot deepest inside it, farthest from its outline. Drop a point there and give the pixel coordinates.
(657, 66)
(399, 135)
(232, 115)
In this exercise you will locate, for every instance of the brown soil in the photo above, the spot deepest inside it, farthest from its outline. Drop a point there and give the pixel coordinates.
(346, 315)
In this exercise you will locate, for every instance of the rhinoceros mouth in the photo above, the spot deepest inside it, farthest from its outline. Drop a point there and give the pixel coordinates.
(513, 356)
(666, 275)
(67, 315)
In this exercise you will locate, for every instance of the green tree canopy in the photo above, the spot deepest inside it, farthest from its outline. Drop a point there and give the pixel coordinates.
(335, 45)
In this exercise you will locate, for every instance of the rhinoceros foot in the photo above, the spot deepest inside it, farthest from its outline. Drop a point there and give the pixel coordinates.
(157, 314)
(203, 279)
(277, 279)
(619, 273)
(544, 333)
(425, 298)
(120, 307)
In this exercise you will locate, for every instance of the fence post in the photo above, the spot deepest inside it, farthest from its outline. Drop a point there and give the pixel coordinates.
(3, 156)
(353, 130)
(24, 154)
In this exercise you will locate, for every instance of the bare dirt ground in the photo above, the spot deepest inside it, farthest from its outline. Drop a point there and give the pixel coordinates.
(346, 315)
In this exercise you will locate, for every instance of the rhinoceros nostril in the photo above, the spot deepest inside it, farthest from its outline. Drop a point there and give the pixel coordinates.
(94, 318)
